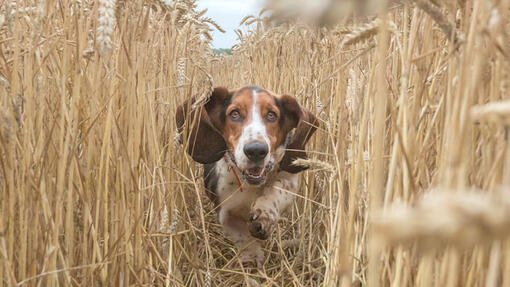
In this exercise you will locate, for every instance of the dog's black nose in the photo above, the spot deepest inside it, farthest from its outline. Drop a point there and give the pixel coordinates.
(256, 150)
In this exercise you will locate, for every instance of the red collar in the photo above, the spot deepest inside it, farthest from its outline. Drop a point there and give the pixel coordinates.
(232, 167)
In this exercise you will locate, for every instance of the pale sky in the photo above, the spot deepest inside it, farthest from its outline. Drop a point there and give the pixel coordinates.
(228, 14)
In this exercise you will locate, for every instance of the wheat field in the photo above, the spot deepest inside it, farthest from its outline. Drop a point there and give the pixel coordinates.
(409, 179)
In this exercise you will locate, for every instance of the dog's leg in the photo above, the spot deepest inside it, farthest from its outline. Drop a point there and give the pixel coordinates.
(250, 251)
(266, 210)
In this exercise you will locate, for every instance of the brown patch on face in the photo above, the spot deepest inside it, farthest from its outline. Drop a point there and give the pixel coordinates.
(276, 130)
(241, 102)
(289, 115)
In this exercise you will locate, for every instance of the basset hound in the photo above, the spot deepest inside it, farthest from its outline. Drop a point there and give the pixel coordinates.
(247, 140)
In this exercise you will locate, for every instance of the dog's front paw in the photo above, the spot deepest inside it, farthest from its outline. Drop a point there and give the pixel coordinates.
(262, 222)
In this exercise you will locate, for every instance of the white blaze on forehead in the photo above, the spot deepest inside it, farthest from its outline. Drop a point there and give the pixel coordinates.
(254, 129)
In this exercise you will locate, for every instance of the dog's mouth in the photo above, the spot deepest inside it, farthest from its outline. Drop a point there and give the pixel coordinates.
(254, 175)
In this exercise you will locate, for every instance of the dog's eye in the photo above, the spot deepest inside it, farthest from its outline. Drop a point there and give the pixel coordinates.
(271, 117)
(235, 115)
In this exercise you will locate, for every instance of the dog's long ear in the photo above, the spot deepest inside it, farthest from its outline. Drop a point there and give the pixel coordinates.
(200, 126)
(305, 123)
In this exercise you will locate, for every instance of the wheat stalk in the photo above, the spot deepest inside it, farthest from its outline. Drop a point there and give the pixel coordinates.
(435, 13)
(6, 130)
(457, 218)
(314, 164)
(498, 112)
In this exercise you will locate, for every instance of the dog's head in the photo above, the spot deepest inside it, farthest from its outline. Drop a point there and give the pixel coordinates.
(253, 126)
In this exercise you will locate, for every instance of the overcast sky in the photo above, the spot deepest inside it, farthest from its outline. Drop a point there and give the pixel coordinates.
(228, 13)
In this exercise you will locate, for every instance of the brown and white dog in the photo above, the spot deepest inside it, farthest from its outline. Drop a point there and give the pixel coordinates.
(247, 140)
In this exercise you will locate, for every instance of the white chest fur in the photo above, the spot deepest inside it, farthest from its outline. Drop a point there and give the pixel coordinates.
(252, 212)
(231, 199)
(230, 196)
